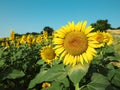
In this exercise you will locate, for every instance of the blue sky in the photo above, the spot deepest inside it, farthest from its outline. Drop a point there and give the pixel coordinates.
(33, 15)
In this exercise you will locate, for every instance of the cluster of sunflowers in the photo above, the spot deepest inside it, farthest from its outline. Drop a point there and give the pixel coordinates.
(73, 45)
(77, 43)
(28, 39)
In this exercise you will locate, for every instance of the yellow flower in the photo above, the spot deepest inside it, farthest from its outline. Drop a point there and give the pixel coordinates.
(12, 35)
(23, 39)
(103, 38)
(39, 39)
(109, 38)
(7, 45)
(45, 35)
(45, 85)
(48, 54)
(30, 39)
(73, 45)
(100, 37)
(17, 44)
(2, 44)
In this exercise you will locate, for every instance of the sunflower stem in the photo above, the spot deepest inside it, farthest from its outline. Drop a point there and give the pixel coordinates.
(77, 86)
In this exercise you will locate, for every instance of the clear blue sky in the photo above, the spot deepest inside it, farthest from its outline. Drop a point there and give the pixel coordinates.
(33, 15)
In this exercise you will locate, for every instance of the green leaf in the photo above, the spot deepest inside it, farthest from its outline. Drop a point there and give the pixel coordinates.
(77, 72)
(116, 78)
(65, 82)
(111, 87)
(1, 52)
(98, 82)
(15, 74)
(40, 62)
(2, 62)
(54, 86)
(110, 75)
(56, 73)
(109, 49)
(38, 79)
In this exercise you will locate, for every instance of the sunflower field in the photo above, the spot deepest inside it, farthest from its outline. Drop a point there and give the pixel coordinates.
(74, 57)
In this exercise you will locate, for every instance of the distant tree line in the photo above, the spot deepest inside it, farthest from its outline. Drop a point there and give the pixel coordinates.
(101, 25)
(46, 28)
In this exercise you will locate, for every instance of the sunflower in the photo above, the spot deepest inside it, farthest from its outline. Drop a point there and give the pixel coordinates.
(100, 37)
(23, 39)
(103, 38)
(12, 35)
(45, 35)
(109, 38)
(48, 54)
(75, 43)
(30, 39)
(39, 39)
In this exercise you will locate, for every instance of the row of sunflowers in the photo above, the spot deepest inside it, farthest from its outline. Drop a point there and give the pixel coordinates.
(74, 57)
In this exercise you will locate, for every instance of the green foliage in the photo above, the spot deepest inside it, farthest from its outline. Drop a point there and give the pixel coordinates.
(101, 25)
(98, 82)
(22, 68)
(14, 74)
(115, 80)
(56, 73)
(77, 72)
(18, 63)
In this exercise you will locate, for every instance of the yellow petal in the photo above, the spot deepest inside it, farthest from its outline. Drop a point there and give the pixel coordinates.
(71, 25)
(58, 46)
(66, 60)
(81, 59)
(89, 57)
(63, 54)
(58, 41)
(91, 34)
(92, 51)
(74, 60)
(88, 29)
(59, 50)
(78, 26)
(84, 26)
(85, 57)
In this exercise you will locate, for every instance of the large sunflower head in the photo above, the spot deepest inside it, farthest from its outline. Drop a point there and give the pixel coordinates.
(48, 54)
(75, 43)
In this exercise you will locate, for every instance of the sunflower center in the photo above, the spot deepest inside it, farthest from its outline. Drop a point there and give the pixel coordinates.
(100, 38)
(75, 43)
(49, 53)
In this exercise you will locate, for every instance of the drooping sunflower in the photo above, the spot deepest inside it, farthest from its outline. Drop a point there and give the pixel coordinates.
(75, 43)
(48, 54)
